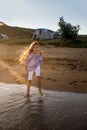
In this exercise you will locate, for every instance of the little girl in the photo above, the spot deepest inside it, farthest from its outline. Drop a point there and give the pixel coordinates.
(32, 59)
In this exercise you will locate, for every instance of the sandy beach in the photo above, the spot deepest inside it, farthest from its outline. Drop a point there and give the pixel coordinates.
(64, 69)
(64, 84)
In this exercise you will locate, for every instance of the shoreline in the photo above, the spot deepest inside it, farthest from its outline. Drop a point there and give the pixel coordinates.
(65, 69)
(38, 112)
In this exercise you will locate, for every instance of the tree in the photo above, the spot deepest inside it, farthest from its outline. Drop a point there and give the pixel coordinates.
(68, 31)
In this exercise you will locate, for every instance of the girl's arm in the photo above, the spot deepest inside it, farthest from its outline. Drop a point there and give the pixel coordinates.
(28, 59)
(26, 70)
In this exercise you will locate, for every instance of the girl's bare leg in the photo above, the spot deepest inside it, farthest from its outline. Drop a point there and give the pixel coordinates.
(28, 88)
(39, 84)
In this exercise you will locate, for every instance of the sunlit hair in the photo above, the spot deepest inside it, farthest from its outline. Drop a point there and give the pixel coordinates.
(26, 52)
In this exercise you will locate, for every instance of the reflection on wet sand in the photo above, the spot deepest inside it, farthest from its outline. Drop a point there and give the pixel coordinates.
(53, 111)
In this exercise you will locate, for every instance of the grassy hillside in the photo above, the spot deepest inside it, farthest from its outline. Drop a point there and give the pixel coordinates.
(18, 35)
(16, 31)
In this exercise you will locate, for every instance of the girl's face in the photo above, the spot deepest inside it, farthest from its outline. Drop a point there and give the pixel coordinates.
(35, 48)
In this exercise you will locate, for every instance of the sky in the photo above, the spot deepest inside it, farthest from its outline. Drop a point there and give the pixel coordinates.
(44, 13)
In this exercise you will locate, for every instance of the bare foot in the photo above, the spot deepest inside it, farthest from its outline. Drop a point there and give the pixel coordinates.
(41, 94)
(26, 95)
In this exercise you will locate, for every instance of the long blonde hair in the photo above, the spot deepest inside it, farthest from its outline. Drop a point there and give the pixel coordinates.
(26, 52)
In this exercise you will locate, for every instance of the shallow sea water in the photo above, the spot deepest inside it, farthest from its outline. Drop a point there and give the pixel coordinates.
(53, 111)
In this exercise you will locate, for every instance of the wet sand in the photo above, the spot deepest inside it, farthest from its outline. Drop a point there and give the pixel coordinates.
(53, 111)
(64, 69)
